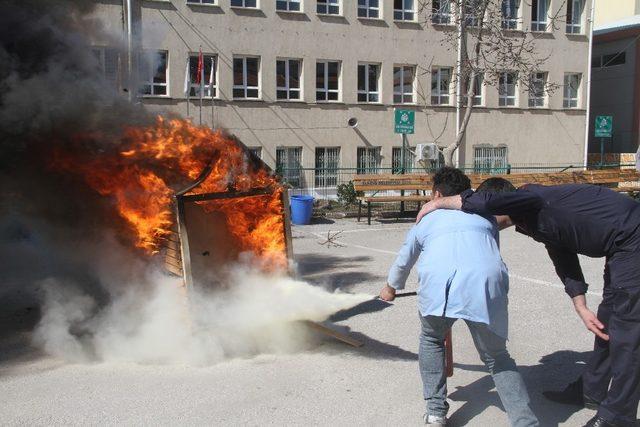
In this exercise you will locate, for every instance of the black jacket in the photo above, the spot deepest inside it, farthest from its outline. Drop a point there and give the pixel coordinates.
(569, 219)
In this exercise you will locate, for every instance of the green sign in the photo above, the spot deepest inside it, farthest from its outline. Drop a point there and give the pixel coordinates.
(404, 121)
(604, 125)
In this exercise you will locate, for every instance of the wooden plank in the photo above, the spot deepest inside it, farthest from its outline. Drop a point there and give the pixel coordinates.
(173, 270)
(387, 187)
(332, 333)
(384, 199)
(172, 253)
(173, 262)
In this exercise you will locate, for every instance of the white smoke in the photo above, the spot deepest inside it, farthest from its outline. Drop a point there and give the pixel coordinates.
(162, 324)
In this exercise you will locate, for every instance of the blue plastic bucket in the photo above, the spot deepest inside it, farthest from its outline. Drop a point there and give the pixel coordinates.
(301, 209)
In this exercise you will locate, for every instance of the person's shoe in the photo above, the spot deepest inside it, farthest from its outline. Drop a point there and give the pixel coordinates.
(434, 420)
(599, 422)
(572, 395)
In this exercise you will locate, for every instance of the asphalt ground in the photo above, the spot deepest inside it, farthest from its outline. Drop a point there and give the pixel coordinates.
(330, 383)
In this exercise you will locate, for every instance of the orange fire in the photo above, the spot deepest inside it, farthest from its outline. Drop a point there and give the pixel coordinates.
(151, 163)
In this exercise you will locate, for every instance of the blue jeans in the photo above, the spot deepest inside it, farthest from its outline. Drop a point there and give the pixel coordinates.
(493, 352)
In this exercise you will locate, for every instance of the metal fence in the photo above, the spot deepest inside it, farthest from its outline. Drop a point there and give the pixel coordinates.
(322, 183)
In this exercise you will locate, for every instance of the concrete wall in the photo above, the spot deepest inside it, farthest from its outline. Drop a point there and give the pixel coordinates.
(550, 135)
(608, 11)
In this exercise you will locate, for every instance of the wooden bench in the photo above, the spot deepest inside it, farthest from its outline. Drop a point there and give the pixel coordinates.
(375, 184)
(621, 180)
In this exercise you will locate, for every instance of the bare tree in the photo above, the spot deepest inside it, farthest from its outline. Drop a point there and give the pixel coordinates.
(494, 49)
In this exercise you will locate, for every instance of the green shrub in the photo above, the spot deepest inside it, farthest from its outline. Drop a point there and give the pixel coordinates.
(347, 194)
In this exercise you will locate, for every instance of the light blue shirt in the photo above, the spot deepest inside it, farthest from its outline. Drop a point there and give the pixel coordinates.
(460, 271)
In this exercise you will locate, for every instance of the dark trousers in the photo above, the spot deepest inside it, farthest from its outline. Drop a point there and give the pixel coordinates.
(613, 371)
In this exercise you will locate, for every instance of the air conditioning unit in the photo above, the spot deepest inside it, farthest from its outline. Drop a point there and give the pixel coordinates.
(428, 151)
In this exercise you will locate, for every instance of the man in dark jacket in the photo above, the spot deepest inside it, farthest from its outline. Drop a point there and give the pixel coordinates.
(594, 221)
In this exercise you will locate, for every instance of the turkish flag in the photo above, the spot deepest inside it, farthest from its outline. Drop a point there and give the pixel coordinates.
(200, 68)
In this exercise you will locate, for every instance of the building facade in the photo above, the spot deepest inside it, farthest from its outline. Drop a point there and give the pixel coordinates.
(615, 84)
(291, 77)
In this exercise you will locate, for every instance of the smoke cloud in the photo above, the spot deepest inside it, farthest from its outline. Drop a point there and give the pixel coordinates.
(61, 245)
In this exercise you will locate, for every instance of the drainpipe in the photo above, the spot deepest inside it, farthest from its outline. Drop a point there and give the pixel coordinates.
(588, 116)
(129, 52)
(458, 77)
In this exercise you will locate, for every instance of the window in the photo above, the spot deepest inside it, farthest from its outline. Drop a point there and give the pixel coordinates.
(510, 14)
(488, 159)
(209, 74)
(201, 1)
(472, 9)
(328, 7)
(396, 160)
(368, 160)
(574, 16)
(256, 151)
(571, 87)
(478, 86)
(252, 4)
(539, 9)
(327, 81)
(537, 89)
(288, 5)
(440, 86)
(403, 84)
(507, 84)
(289, 165)
(404, 10)
(108, 65)
(612, 59)
(153, 72)
(368, 8)
(368, 75)
(327, 163)
(441, 11)
(246, 79)
(288, 78)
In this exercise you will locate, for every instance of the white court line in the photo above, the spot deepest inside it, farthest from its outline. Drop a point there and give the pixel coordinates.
(511, 275)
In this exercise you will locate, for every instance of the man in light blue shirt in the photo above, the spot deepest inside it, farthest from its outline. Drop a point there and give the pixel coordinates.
(461, 276)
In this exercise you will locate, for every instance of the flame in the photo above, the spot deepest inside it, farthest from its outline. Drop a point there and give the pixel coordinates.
(138, 171)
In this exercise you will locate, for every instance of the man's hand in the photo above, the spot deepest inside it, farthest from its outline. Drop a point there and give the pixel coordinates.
(387, 293)
(589, 318)
(451, 202)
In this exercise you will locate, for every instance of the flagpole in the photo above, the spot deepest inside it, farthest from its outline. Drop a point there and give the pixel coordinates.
(213, 106)
(187, 79)
(201, 61)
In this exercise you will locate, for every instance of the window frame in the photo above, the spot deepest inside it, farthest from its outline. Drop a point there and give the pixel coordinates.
(244, 6)
(328, 175)
(366, 91)
(287, 88)
(396, 160)
(294, 179)
(503, 100)
(327, 4)
(573, 25)
(288, 3)
(202, 2)
(511, 23)
(256, 151)
(368, 8)
(439, 17)
(439, 95)
(568, 101)
(478, 97)
(244, 85)
(402, 92)
(538, 101)
(148, 81)
(325, 77)
(367, 169)
(194, 86)
(404, 11)
(537, 25)
(494, 159)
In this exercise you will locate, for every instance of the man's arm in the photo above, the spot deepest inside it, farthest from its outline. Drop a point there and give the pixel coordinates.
(399, 271)
(484, 203)
(570, 273)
